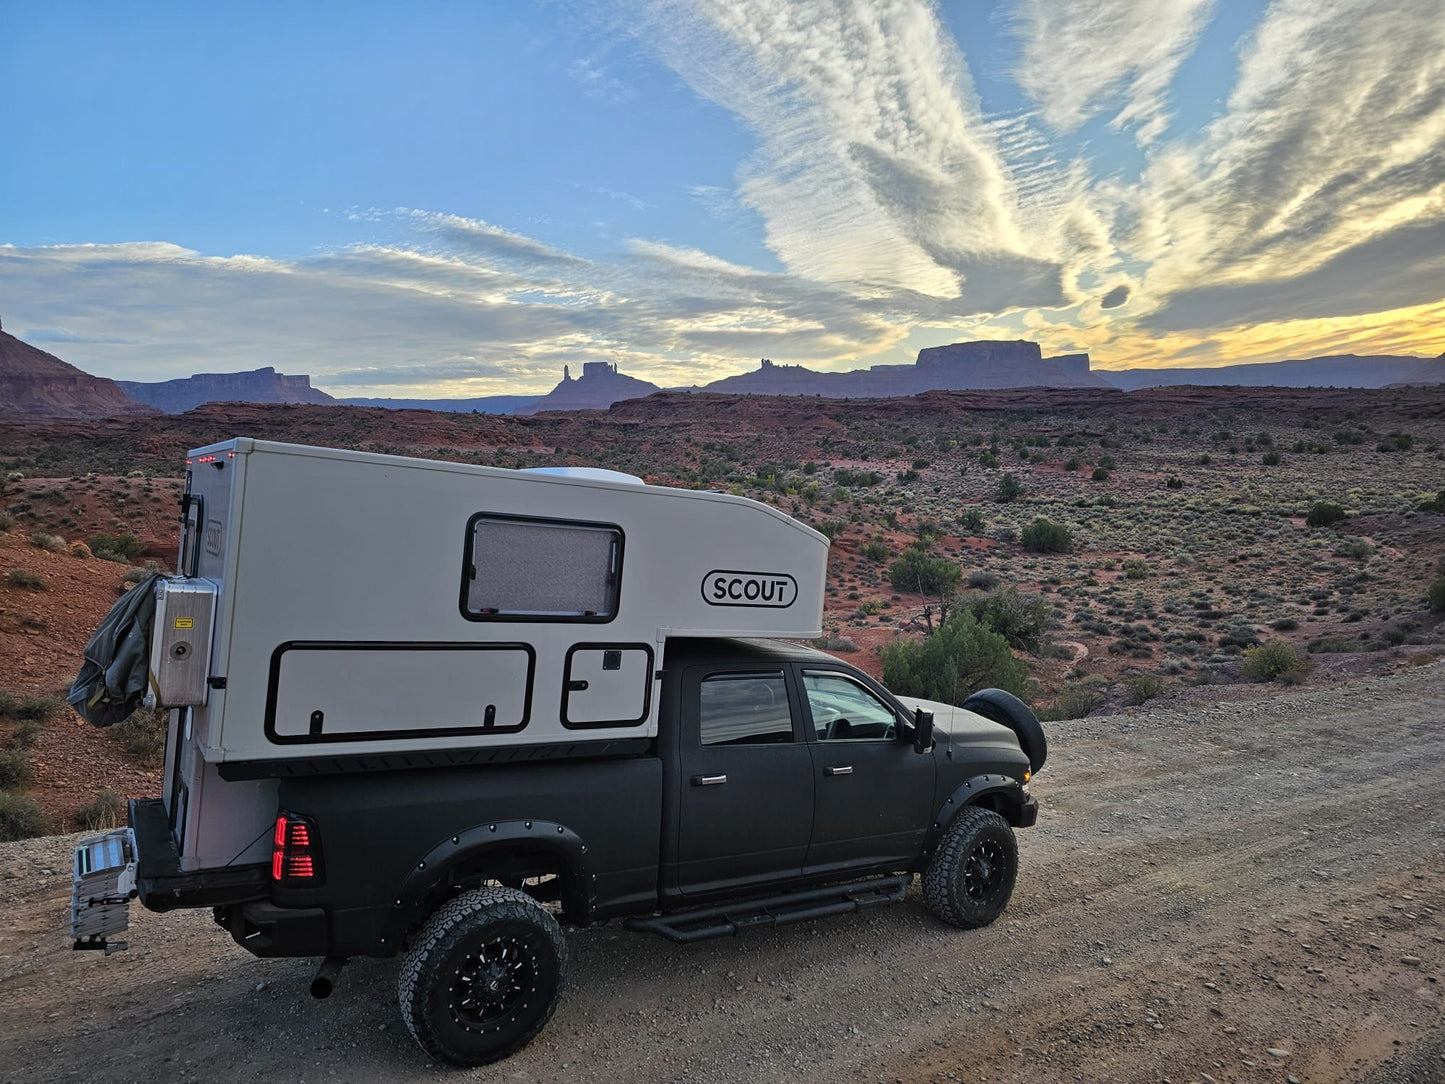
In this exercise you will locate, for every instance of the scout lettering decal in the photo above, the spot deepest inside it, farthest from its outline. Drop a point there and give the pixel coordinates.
(732, 587)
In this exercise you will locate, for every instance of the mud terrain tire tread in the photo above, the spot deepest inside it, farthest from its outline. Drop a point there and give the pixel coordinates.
(464, 924)
(944, 888)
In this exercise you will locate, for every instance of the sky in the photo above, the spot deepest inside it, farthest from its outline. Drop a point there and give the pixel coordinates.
(457, 199)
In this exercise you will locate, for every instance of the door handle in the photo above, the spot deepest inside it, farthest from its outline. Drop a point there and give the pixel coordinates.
(708, 780)
(841, 769)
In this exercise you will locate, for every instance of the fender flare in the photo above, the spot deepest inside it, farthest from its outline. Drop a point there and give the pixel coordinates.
(969, 792)
(409, 904)
(1007, 709)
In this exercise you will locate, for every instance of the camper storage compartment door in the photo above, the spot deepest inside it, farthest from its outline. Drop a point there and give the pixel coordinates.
(607, 685)
(328, 691)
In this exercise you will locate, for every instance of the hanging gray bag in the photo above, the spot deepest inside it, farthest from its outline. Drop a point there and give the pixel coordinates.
(112, 680)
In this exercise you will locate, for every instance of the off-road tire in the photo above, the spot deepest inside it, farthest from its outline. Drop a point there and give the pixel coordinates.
(482, 977)
(970, 878)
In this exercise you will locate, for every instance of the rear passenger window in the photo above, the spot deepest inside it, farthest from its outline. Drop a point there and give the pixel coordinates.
(745, 709)
(538, 570)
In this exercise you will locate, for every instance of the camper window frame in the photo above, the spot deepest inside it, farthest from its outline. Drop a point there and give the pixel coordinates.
(569, 616)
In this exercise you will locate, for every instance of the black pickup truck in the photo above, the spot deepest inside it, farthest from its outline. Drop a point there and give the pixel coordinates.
(783, 785)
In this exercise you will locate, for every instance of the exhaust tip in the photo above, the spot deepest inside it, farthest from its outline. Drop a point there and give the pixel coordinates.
(326, 975)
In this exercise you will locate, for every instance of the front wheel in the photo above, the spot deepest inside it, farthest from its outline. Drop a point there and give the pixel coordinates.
(971, 876)
(483, 976)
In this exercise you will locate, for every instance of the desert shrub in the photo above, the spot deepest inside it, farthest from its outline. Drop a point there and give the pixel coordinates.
(1019, 618)
(916, 571)
(1101, 474)
(1435, 503)
(1136, 568)
(971, 519)
(14, 767)
(1139, 687)
(1284, 624)
(50, 543)
(961, 657)
(1276, 660)
(104, 812)
(1046, 536)
(1437, 594)
(1324, 513)
(25, 580)
(143, 736)
(21, 818)
(81, 550)
(7, 521)
(1072, 463)
(26, 734)
(1355, 548)
(1174, 482)
(1009, 488)
(982, 580)
(855, 479)
(1331, 645)
(37, 708)
(1077, 698)
(876, 549)
(1271, 459)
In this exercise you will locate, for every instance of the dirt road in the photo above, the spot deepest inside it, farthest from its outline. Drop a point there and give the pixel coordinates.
(1236, 892)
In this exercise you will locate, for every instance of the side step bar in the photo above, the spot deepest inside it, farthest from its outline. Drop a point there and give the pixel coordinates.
(734, 918)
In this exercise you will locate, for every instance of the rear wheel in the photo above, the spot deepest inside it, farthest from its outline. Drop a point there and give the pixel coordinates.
(483, 976)
(971, 876)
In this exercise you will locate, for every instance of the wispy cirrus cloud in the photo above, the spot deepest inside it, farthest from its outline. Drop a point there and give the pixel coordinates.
(1081, 59)
(1324, 174)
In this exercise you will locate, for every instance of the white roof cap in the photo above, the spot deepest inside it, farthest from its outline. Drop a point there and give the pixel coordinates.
(593, 474)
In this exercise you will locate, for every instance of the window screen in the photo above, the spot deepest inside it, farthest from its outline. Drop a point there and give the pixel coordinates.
(543, 569)
(745, 709)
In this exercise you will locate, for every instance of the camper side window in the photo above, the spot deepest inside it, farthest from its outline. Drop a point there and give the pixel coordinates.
(532, 569)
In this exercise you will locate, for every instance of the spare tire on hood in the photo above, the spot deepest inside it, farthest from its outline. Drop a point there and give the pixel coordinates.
(1007, 709)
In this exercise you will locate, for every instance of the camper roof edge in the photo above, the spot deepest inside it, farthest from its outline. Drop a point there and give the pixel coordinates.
(247, 445)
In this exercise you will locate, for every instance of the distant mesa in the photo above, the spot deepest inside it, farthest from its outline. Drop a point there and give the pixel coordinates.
(599, 386)
(257, 386)
(40, 384)
(1339, 371)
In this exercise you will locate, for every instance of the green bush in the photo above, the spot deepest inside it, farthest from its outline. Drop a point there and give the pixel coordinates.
(25, 580)
(1437, 594)
(876, 549)
(1435, 503)
(1324, 513)
(21, 818)
(1020, 619)
(1271, 459)
(1009, 488)
(1077, 698)
(143, 735)
(971, 519)
(1140, 687)
(101, 814)
(1046, 536)
(1357, 549)
(1276, 660)
(1101, 474)
(916, 571)
(960, 658)
(26, 734)
(1174, 482)
(14, 767)
(1136, 568)
(982, 580)
(50, 543)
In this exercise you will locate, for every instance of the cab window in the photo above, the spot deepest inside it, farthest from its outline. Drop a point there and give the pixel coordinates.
(846, 710)
(745, 709)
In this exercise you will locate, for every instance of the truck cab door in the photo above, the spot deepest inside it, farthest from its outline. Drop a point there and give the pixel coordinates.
(875, 794)
(745, 807)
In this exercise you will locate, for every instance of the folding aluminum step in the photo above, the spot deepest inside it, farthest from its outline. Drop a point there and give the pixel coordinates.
(102, 887)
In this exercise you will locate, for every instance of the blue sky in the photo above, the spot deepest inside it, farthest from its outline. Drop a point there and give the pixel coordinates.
(458, 199)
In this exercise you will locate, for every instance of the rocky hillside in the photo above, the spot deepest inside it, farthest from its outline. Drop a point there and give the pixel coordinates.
(257, 386)
(40, 384)
(1340, 371)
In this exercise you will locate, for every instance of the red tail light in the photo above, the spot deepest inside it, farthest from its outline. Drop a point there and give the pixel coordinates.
(295, 851)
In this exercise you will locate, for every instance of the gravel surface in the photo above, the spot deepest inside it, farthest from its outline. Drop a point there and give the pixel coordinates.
(1237, 892)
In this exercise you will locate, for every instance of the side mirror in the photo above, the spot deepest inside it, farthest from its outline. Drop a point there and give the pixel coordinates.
(922, 731)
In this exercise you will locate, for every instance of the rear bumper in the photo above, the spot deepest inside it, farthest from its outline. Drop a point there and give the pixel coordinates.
(162, 885)
(263, 929)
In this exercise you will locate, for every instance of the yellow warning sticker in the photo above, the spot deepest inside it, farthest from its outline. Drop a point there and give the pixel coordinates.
(185, 623)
